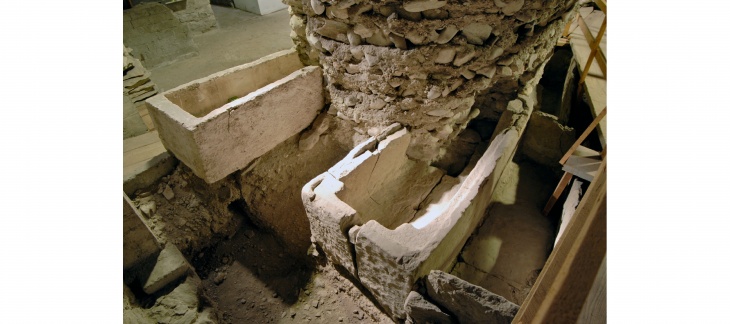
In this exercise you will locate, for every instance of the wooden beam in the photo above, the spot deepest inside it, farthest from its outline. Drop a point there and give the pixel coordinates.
(593, 44)
(566, 30)
(563, 285)
(557, 192)
(583, 136)
(602, 5)
(594, 309)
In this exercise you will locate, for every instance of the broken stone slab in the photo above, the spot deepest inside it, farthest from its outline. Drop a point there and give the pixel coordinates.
(219, 124)
(421, 311)
(545, 138)
(145, 174)
(170, 266)
(139, 242)
(377, 203)
(469, 303)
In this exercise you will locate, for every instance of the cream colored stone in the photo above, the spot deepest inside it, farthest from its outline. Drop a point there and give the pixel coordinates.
(477, 33)
(447, 34)
(422, 5)
(317, 6)
(215, 137)
(445, 56)
(462, 58)
(399, 41)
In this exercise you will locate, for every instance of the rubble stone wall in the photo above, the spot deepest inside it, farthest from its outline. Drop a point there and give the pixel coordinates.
(422, 63)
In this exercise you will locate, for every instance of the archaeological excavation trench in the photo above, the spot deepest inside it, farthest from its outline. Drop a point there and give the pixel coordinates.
(392, 167)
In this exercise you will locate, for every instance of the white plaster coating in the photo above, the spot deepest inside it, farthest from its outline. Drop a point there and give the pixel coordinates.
(571, 203)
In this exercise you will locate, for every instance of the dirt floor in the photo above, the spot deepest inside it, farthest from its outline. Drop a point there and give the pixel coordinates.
(242, 37)
(250, 279)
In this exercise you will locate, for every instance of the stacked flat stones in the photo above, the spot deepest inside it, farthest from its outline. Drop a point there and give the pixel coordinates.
(421, 63)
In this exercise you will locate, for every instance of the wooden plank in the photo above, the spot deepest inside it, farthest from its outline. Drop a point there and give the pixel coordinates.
(595, 82)
(593, 23)
(594, 309)
(601, 4)
(586, 152)
(143, 153)
(584, 167)
(141, 140)
(139, 167)
(557, 192)
(593, 53)
(583, 136)
(563, 285)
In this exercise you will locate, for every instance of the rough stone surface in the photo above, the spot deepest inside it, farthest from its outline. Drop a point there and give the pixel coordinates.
(197, 16)
(181, 306)
(384, 242)
(137, 87)
(139, 243)
(156, 168)
(546, 140)
(156, 35)
(400, 53)
(170, 266)
(199, 215)
(215, 138)
(272, 187)
(421, 311)
(469, 303)
(132, 124)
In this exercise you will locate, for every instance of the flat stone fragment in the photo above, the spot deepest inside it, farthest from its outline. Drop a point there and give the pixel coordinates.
(418, 6)
(171, 265)
(445, 56)
(469, 303)
(420, 310)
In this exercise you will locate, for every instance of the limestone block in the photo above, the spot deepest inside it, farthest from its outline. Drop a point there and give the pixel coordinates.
(139, 242)
(469, 303)
(170, 266)
(219, 124)
(421, 311)
(392, 210)
(546, 140)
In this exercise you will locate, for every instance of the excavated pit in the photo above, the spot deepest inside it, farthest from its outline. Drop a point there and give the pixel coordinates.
(412, 150)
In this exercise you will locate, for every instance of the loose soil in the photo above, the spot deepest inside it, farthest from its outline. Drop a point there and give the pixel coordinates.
(251, 279)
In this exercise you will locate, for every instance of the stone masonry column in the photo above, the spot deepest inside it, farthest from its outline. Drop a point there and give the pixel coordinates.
(421, 63)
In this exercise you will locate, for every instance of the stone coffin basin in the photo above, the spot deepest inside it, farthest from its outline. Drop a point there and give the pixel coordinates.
(389, 220)
(219, 124)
